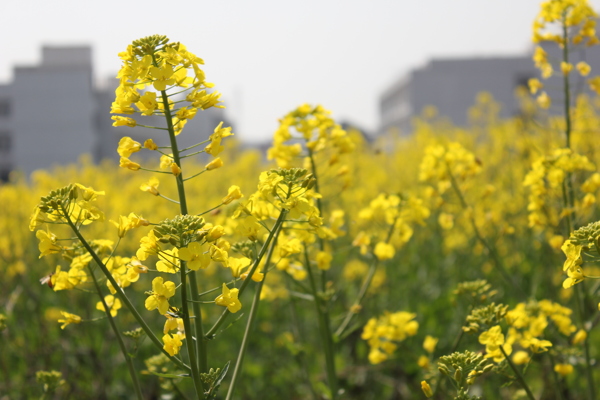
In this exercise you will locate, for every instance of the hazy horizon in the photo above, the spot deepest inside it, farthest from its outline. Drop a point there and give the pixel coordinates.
(267, 57)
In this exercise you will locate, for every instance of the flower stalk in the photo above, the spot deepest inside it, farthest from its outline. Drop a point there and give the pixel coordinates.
(251, 318)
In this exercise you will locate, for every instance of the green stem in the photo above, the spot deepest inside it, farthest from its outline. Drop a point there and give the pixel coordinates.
(167, 198)
(518, 374)
(122, 296)
(325, 328)
(210, 209)
(199, 358)
(300, 356)
(569, 203)
(566, 84)
(568, 190)
(558, 386)
(195, 175)
(195, 145)
(187, 324)
(113, 325)
(363, 289)
(211, 332)
(251, 318)
(586, 347)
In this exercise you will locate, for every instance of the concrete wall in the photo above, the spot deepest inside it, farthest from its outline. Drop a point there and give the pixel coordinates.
(53, 108)
(451, 85)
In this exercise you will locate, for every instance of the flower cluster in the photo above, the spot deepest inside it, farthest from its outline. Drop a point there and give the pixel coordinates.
(382, 333)
(316, 128)
(154, 75)
(441, 164)
(568, 23)
(155, 63)
(386, 224)
(583, 239)
(545, 182)
(526, 327)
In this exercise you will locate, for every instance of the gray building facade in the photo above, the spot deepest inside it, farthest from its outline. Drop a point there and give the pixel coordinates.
(451, 85)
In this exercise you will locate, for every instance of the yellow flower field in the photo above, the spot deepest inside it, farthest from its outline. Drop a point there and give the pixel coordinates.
(457, 262)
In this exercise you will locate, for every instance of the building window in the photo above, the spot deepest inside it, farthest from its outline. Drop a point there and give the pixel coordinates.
(4, 107)
(5, 142)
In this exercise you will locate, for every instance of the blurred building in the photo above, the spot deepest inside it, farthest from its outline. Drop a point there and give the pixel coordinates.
(52, 113)
(452, 84)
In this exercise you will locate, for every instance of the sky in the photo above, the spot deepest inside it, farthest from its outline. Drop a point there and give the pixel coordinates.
(267, 57)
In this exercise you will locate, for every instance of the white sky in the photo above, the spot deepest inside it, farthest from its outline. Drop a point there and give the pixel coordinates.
(268, 56)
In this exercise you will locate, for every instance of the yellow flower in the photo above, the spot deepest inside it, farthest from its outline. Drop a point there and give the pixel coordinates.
(150, 145)
(214, 164)
(215, 147)
(579, 337)
(123, 121)
(566, 67)
(493, 339)
(114, 304)
(237, 265)
(48, 243)
(249, 227)
(429, 343)
(162, 76)
(168, 261)
(161, 293)
(127, 146)
(229, 299)
(575, 275)
(563, 369)
(544, 100)
(573, 253)
(446, 220)
(426, 389)
(362, 240)
(175, 170)
(166, 161)
(556, 241)
(172, 343)
(496, 354)
(234, 193)
(583, 68)
(384, 251)
(536, 345)
(215, 233)
(521, 357)
(148, 246)
(127, 163)
(69, 318)
(172, 323)
(595, 84)
(217, 254)
(151, 186)
(195, 256)
(376, 356)
(535, 85)
(323, 260)
(129, 222)
(147, 103)
(423, 362)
